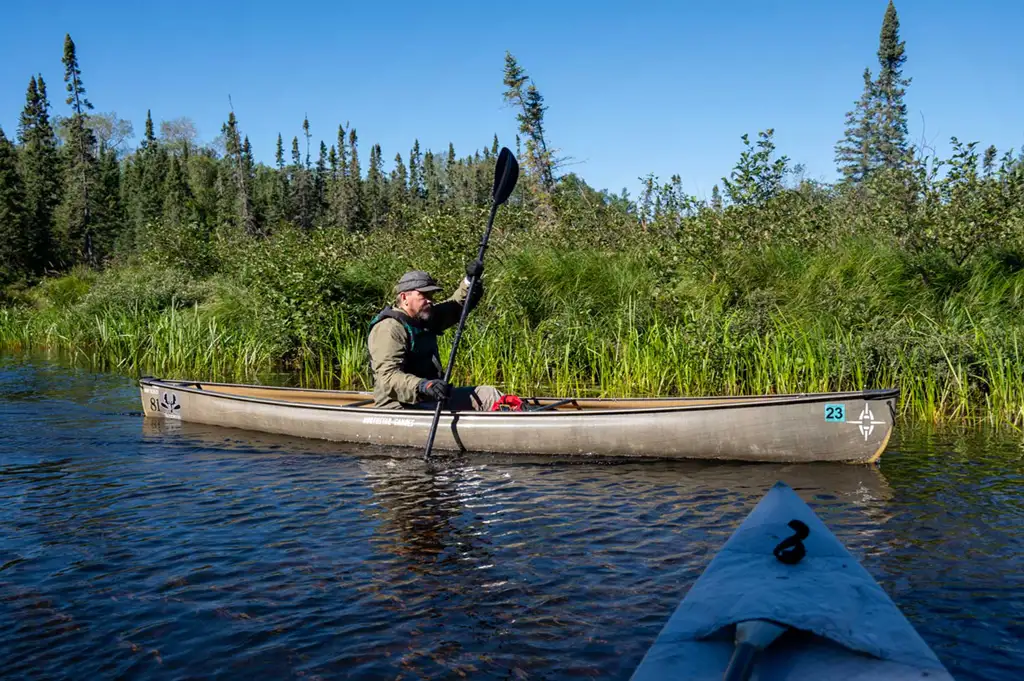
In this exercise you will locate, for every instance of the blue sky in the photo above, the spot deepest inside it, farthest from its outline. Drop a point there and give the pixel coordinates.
(662, 87)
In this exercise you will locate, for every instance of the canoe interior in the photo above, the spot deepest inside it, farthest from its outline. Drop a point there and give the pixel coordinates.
(364, 400)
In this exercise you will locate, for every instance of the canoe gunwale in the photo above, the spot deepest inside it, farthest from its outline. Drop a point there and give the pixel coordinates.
(736, 402)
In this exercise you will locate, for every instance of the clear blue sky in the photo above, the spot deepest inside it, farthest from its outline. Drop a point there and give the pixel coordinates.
(662, 87)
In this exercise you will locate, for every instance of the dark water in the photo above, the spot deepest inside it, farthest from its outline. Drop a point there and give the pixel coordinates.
(131, 550)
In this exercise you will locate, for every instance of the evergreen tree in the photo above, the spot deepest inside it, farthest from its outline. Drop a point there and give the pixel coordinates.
(876, 129)
(416, 189)
(40, 173)
(74, 214)
(151, 162)
(177, 196)
(538, 161)
(320, 179)
(279, 207)
(108, 215)
(351, 212)
(301, 189)
(892, 148)
(398, 190)
(376, 192)
(432, 181)
(854, 152)
(239, 170)
(342, 153)
(14, 244)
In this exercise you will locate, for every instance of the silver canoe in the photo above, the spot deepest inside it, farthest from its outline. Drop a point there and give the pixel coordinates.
(849, 426)
(842, 624)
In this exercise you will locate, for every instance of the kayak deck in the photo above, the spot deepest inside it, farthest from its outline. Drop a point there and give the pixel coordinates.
(842, 623)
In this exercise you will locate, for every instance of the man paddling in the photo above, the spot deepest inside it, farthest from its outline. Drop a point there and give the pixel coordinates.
(407, 370)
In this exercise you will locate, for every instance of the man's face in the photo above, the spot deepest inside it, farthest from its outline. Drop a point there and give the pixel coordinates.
(417, 304)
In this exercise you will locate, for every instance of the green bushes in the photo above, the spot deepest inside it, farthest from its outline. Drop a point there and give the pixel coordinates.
(568, 317)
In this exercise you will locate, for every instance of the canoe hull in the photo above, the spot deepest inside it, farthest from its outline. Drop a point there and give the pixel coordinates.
(782, 429)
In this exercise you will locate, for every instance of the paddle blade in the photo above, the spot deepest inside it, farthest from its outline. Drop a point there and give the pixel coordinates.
(506, 174)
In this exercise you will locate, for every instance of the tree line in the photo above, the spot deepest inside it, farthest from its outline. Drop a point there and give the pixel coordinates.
(70, 195)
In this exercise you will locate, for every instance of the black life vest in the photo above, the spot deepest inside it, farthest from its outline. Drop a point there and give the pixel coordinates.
(422, 357)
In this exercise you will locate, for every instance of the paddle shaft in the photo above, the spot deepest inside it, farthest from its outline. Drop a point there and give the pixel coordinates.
(458, 331)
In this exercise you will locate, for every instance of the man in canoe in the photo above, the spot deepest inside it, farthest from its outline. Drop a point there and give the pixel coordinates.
(407, 370)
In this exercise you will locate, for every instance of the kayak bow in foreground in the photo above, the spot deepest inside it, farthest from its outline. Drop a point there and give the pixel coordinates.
(838, 623)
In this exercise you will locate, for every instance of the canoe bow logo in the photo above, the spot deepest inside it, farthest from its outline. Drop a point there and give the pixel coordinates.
(866, 423)
(169, 404)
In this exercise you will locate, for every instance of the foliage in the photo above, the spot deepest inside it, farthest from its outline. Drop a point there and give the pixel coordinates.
(198, 260)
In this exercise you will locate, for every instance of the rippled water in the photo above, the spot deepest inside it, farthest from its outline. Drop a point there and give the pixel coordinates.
(135, 549)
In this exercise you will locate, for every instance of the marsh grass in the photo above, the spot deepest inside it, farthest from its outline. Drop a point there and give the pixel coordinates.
(560, 320)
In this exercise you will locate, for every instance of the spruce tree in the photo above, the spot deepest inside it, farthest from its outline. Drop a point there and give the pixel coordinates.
(376, 191)
(300, 189)
(74, 215)
(239, 177)
(538, 160)
(352, 214)
(892, 148)
(320, 179)
(151, 162)
(416, 189)
(854, 152)
(14, 244)
(177, 196)
(433, 188)
(108, 215)
(40, 173)
(279, 154)
(398, 190)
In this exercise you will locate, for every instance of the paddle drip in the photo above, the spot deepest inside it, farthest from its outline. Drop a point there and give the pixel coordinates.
(791, 549)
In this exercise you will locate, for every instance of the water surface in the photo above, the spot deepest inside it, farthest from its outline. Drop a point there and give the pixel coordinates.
(140, 549)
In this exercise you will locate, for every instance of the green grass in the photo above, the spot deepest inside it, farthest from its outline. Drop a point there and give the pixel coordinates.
(566, 321)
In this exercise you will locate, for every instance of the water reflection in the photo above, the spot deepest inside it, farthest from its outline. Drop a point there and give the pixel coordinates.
(134, 547)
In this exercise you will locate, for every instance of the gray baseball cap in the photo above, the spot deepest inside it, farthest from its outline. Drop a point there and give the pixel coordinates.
(417, 280)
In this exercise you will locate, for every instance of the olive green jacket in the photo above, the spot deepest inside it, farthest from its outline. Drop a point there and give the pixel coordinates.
(404, 352)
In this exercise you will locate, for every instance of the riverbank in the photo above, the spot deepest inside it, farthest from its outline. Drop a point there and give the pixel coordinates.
(563, 318)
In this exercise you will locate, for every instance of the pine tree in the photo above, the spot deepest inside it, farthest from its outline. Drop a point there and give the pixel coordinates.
(74, 215)
(320, 179)
(854, 152)
(876, 130)
(177, 196)
(14, 244)
(538, 160)
(892, 149)
(151, 162)
(432, 182)
(301, 189)
(40, 172)
(352, 215)
(108, 215)
(398, 190)
(342, 152)
(376, 192)
(416, 189)
(279, 154)
(239, 170)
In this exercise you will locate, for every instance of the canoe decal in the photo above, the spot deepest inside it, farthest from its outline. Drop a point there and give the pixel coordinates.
(835, 413)
(866, 423)
(388, 421)
(170, 406)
